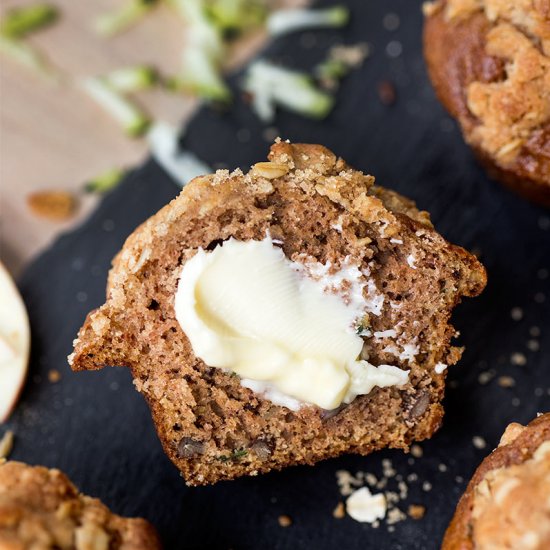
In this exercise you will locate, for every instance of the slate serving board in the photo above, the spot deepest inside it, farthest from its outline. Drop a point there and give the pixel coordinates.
(96, 428)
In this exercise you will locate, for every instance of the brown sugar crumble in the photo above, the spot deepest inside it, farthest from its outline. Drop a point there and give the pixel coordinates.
(489, 62)
(511, 110)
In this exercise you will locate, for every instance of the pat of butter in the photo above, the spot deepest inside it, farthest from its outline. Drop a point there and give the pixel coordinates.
(247, 309)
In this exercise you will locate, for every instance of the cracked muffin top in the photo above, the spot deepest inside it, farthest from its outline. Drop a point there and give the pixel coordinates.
(506, 504)
(494, 76)
(41, 509)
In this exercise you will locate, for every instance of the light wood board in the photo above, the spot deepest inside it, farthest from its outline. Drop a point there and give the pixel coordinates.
(55, 137)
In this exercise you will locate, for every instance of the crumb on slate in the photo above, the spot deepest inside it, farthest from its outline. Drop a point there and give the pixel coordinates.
(340, 511)
(518, 358)
(386, 92)
(284, 521)
(506, 382)
(533, 345)
(393, 489)
(479, 442)
(486, 376)
(416, 450)
(516, 313)
(54, 376)
(416, 511)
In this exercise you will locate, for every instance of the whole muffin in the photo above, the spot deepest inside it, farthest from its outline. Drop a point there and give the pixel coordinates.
(506, 504)
(489, 63)
(40, 509)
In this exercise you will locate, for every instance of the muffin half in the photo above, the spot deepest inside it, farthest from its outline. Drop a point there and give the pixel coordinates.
(283, 316)
(489, 62)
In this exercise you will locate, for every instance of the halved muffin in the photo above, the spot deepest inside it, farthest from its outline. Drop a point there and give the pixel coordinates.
(283, 316)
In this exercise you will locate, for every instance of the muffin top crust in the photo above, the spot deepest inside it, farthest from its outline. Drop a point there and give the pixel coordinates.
(513, 108)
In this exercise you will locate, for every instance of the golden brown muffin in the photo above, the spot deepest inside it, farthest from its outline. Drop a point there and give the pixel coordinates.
(40, 509)
(320, 212)
(506, 505)
(489, 62)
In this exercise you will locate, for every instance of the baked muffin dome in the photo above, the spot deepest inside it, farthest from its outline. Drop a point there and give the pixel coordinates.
(41, 509)
(506, 504)
(489, 62)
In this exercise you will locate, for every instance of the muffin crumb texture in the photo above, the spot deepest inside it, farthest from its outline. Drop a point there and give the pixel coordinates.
(41, 509)
(320, 212)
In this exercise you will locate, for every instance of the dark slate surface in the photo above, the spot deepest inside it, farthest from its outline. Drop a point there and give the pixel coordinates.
(96, 428)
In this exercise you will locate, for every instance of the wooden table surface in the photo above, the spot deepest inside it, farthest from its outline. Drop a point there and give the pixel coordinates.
(54, 137)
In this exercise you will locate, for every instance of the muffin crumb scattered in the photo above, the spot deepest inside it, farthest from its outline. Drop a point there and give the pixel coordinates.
(416, 511)
(506, 382)
(533, 345)
(284, 520)
(486, 376)
(386, 92)
(393, 487)
(365, 507)
(516, 313)
(479, 442)
(340, 511)
(518, 359)
(416, 451)
(54, 376)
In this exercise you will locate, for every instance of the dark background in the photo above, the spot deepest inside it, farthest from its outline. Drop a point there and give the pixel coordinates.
(97, 428)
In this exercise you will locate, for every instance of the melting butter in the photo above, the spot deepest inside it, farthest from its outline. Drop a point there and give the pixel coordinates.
(247, 309)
